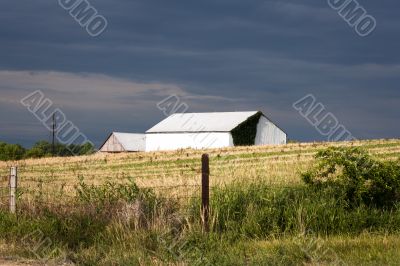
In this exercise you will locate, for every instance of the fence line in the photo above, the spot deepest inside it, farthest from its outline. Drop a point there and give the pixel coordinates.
(38, 188)
(61, 194)
(40, 199)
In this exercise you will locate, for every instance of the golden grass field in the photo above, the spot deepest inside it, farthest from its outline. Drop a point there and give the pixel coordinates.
(178, 174)
(180, 170)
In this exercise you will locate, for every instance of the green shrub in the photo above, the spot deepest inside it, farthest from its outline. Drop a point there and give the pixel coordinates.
(358, 177)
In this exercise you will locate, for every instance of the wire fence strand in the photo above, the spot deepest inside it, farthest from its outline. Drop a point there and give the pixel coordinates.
(46, 188)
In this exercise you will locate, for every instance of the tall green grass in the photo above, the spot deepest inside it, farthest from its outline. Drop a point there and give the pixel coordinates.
(125, 225)
(258, 210)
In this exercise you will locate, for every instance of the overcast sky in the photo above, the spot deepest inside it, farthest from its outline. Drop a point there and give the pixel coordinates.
(217, 55)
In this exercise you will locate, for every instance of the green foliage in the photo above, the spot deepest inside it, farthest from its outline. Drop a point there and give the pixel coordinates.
(11, 151)
(251, 223)
(84, 149)
(245, 133)
(258, 210)
(39, 150)
(357, 177)
(96, 229)
(111, 194)
(89, 218)
(43, 149)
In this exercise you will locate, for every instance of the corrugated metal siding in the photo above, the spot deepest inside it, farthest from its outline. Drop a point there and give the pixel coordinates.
(269, 133)
(131, 142)
(124, 142)
(174, 141)
(112, 145)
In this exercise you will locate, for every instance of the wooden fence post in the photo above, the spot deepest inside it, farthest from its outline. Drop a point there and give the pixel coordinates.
(205, 191)
(13, 189)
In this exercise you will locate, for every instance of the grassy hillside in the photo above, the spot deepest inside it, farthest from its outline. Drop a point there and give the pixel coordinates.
(261, 212)
(278, 165)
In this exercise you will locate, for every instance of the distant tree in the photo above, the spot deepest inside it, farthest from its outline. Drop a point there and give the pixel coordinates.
(43, 149)
(11, 151)
(87, 149)
(2, 152)
(62, 150)
(39, 150)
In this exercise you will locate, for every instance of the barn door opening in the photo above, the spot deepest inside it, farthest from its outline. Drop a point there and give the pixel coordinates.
(245, 133)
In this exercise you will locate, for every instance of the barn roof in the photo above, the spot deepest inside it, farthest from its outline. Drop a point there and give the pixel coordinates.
(201, 122)
(130, 141)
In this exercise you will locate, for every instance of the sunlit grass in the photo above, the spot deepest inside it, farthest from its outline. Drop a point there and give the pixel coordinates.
(279, 165)
(255, 237)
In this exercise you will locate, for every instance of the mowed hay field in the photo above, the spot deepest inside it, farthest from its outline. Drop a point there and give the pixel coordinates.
(179, 172)
(260, 211)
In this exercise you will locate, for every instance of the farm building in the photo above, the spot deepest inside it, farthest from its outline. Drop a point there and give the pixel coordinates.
(124, 142)
(213, 130)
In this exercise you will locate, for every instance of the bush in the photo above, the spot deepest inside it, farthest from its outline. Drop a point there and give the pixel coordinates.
(358, 177)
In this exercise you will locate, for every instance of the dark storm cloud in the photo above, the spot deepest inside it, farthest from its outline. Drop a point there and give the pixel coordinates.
(219, 55)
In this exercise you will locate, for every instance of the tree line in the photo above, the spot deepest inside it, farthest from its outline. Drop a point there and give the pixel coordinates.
(9, 152)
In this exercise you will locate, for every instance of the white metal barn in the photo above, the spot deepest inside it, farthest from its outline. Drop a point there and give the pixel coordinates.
(213, 130)
(124, 142)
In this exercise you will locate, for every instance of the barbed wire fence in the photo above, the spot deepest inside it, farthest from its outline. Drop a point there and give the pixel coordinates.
(45, 189)
(41, 194)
